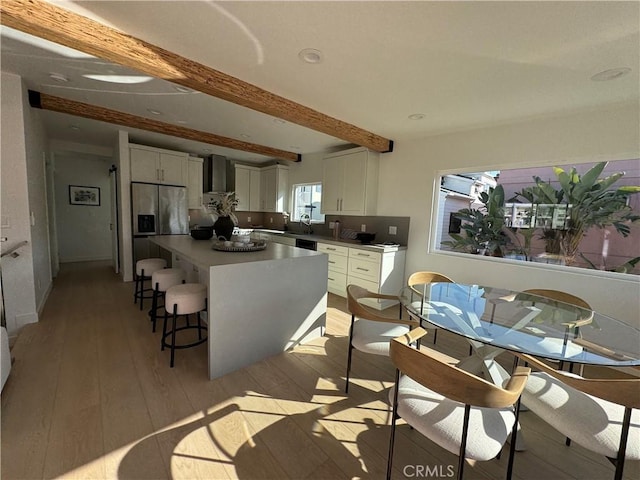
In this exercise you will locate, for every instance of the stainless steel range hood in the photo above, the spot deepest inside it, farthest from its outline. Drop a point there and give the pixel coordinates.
(219, 174)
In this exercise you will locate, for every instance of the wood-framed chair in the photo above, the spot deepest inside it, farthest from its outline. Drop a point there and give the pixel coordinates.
(370, 331)
(459, 411)
(422, 277)
(584, 312)
(601, 415)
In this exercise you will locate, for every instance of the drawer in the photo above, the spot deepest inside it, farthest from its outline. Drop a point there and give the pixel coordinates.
(365, 255)
(333, 249)
(337, 263)
(337, 283)
(364, 269)
(366, 284)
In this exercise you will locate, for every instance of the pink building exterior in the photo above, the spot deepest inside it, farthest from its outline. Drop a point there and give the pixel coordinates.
(604, 247)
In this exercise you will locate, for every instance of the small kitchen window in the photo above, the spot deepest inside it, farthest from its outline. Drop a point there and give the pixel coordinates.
(307, 198)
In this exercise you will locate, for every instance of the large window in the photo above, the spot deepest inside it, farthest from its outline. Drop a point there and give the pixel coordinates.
(307, 199)
(586, 215)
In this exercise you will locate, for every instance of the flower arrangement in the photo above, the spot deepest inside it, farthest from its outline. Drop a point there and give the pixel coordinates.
(223, 207)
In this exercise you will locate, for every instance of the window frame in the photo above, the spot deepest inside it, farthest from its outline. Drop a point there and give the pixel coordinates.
(293, 201)
(436, 223)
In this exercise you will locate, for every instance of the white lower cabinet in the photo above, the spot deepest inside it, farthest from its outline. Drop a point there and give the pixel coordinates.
(338, 261)
(195, 274)
(379, 272)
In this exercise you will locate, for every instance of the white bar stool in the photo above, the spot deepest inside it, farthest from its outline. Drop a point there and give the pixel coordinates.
(144, 270)
(161, 281)
(184, 299)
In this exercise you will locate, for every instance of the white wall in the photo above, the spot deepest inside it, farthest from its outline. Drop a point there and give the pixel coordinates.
(27, 278)
(125, 247)
(36, 143)
(83, 231)
(407, 189)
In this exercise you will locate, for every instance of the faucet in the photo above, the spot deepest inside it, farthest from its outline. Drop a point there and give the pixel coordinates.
(305, 221)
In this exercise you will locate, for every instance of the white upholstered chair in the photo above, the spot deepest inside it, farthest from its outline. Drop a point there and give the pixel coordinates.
(459, 411)
(602, 415)
(370, 331)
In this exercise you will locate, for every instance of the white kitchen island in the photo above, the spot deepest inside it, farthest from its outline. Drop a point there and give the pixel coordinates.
(260, 303)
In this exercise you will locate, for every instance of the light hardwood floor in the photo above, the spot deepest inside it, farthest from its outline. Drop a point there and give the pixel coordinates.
(91, 396)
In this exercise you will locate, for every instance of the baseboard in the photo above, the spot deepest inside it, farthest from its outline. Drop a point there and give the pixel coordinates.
(44, 299)
(83, 259)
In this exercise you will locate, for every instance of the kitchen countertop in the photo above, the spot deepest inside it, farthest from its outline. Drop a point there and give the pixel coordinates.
(259, 303)
(199, 252)
(330, 240)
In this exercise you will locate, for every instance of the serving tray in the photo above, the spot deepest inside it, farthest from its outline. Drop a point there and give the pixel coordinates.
(257, 246)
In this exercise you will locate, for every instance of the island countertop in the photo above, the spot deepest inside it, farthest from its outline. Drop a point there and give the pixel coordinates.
(199, 252)
(259, 303)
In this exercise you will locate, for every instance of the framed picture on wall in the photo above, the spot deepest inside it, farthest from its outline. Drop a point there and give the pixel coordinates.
(79, 195)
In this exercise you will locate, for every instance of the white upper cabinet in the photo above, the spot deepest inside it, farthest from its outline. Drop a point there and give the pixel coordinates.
(248, 188)
(155, 165)
(274, 186)
(195, 182)
(350, 182)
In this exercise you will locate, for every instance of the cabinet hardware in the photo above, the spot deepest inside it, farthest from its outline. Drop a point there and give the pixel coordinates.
(363, 269)
(332, 279)
(363, 254)
(331, 261)
(338, 204)
(158, 174)
(332, 249)
(163, 174)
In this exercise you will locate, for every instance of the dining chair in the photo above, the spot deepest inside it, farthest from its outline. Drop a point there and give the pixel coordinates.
(418, 278)
(602, 415)
(455, 409)
(584, 313)
(370, 331)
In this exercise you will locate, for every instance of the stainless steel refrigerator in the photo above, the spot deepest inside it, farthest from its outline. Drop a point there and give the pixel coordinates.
(156, 210)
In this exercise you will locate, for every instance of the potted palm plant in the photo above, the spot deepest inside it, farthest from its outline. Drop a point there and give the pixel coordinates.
(589, 201)
(483, 228)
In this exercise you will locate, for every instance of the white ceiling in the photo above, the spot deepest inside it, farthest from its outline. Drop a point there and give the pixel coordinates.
(461, 64)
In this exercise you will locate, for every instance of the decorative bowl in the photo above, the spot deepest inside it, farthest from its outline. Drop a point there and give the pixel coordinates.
(202, 233)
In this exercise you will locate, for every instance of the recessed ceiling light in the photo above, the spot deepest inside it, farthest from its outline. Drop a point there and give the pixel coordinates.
(74, 127)
(181, 122)
(58, 77)
(182, 89)
(279, 120)
(310, 55)
(245, 135)
(154, 112)
(123, 79)
(610, 74)
(417, 116)
(206, 150)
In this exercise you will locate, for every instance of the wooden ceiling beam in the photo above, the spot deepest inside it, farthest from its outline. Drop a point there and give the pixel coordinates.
(94, 112)
(61, 26)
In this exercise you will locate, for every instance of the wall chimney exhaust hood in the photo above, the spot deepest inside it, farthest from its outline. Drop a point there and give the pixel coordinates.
(219, 174)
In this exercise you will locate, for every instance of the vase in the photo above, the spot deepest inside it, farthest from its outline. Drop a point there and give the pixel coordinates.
(223, 227)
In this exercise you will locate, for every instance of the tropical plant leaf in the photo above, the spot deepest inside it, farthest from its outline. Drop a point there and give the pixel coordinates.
(588, 180)
(606, 182)
(629, 189)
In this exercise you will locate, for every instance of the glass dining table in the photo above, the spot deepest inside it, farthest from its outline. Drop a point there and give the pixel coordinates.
(494, 320)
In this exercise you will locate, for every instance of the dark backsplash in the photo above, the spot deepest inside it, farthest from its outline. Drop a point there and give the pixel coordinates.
(378, 225)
